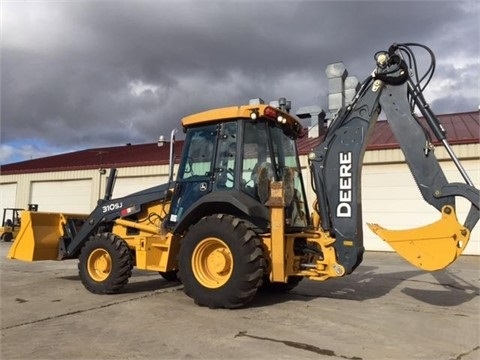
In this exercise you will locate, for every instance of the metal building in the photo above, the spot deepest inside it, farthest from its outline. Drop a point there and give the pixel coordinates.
(73, 182)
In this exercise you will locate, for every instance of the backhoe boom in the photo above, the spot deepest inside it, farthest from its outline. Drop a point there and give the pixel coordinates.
(336, 166)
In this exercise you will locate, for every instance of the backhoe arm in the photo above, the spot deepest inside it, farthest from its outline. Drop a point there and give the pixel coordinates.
(336, 166)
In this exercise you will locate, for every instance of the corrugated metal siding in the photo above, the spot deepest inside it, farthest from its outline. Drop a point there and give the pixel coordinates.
(129, 185)
(150, 170)
(391, 156)
(391, 198)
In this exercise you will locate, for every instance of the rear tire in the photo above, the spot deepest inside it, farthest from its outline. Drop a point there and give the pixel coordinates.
(221, 262)
(105, 264)
(7, 237)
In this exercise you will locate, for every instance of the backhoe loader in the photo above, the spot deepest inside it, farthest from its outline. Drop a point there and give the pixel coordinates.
(236, 218)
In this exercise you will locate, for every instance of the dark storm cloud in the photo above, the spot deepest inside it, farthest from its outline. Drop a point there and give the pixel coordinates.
(87, 73)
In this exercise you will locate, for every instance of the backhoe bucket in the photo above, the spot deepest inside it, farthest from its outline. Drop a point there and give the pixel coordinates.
(39, 236)
(431, 247)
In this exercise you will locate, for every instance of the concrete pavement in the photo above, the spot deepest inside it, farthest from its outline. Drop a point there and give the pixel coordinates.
(385, 310)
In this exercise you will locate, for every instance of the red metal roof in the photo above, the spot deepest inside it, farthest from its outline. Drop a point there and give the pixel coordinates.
(117, 156)
(462, 128)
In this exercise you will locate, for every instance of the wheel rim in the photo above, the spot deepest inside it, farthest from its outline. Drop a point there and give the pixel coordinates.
(212, 263)
(99, 264)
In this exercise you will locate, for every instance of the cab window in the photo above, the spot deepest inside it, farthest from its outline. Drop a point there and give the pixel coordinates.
(227, 150)
(198, 156)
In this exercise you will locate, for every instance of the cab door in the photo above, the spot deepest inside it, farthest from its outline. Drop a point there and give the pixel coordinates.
(196, 171)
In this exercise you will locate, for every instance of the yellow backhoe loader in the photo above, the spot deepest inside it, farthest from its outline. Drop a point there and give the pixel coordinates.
(236, 217)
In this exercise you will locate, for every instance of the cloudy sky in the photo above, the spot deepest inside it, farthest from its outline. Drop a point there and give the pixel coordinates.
(92, 73)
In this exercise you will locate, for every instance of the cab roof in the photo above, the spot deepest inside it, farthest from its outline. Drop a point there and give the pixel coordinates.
(246, 112)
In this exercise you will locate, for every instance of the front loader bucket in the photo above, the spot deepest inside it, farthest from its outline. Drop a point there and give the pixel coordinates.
(431, 247)
(38, 237)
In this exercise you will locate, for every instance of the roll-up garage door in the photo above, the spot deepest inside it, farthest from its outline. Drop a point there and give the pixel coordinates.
(8, 194)
(72, 196)
(391, 199)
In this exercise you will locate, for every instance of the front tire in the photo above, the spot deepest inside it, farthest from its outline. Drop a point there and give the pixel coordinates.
(221, 262)
(105, 264)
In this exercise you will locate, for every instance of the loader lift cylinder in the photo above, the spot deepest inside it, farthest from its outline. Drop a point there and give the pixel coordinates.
(110, 184)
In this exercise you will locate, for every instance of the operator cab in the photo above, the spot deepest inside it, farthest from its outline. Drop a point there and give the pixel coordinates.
(229, 156)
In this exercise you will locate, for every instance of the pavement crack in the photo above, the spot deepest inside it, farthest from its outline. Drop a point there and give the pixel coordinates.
(299, 345)
(153, 293)
(460, 356)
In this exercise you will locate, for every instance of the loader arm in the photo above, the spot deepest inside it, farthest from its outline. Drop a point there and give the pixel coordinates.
(107, 211)
(336, 166)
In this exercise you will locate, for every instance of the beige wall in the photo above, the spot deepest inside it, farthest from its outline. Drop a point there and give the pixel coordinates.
(390, 196)
(98, 180)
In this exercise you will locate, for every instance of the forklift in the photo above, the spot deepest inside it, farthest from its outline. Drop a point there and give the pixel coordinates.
(10, 224)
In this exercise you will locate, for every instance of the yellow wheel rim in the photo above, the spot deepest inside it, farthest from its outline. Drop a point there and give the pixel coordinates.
(99, 264)
(212, 263)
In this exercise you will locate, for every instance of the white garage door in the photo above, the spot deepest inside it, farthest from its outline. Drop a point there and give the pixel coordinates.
(129, 185)
(8, 193)
(392, 199)
(72, 196)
